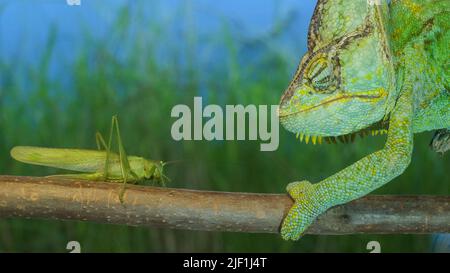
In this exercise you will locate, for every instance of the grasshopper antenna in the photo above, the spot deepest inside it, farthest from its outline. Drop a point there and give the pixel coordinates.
(171, 162)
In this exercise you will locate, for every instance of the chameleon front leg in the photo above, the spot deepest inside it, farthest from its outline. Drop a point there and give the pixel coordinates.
(358, 179)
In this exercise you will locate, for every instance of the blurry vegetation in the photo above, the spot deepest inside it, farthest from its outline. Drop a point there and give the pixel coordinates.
(140, 70)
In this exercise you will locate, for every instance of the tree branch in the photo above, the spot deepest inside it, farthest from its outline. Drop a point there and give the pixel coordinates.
(50, 198)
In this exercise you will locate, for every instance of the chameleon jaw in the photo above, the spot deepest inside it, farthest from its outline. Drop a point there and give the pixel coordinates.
(312, 122)
(376, 94)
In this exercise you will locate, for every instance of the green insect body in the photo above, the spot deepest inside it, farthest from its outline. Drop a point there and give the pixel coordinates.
(90, 162)
(95, 165)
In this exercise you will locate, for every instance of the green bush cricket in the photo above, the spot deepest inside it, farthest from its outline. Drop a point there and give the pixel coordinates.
(95, 165)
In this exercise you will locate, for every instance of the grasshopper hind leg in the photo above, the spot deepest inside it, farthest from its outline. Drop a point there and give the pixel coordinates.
(124, 163)
(101, 143)
(81, 176)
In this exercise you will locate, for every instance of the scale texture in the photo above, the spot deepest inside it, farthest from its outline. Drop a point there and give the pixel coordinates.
(372, 67)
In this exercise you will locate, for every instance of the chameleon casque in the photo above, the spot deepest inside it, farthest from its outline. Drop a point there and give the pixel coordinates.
(370, 66)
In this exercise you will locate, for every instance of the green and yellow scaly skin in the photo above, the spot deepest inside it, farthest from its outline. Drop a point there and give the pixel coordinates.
(370, 66)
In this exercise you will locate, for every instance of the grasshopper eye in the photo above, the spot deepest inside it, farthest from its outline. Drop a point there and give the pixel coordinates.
(320, 76)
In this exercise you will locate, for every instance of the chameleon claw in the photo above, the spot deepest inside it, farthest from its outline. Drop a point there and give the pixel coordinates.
(302, 213)
(298, 189)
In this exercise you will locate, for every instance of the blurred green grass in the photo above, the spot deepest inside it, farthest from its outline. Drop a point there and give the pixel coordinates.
(116, 75)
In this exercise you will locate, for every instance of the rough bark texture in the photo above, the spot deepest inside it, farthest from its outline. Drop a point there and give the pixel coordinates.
(48, 198)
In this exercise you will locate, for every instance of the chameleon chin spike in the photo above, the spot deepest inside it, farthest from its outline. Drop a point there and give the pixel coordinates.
(334, 140)
(306, 139)
(319, 140)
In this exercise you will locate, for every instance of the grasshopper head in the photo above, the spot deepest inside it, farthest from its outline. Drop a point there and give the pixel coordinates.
(154, 170)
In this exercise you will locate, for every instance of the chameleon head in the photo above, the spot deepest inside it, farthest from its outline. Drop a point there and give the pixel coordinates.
(342, 83)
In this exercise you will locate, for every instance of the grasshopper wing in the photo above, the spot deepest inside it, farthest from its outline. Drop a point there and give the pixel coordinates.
(68, 159)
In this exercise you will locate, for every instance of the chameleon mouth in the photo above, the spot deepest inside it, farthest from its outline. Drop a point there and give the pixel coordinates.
(368, 95)
(379, 128)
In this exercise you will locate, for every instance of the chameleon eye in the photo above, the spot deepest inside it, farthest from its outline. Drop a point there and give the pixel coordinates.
(320, 76)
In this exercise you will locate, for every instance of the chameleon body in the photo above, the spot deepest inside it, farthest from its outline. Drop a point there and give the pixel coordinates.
(370, 66)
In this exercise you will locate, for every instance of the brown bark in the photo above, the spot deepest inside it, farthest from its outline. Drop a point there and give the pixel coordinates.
(51, 198)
